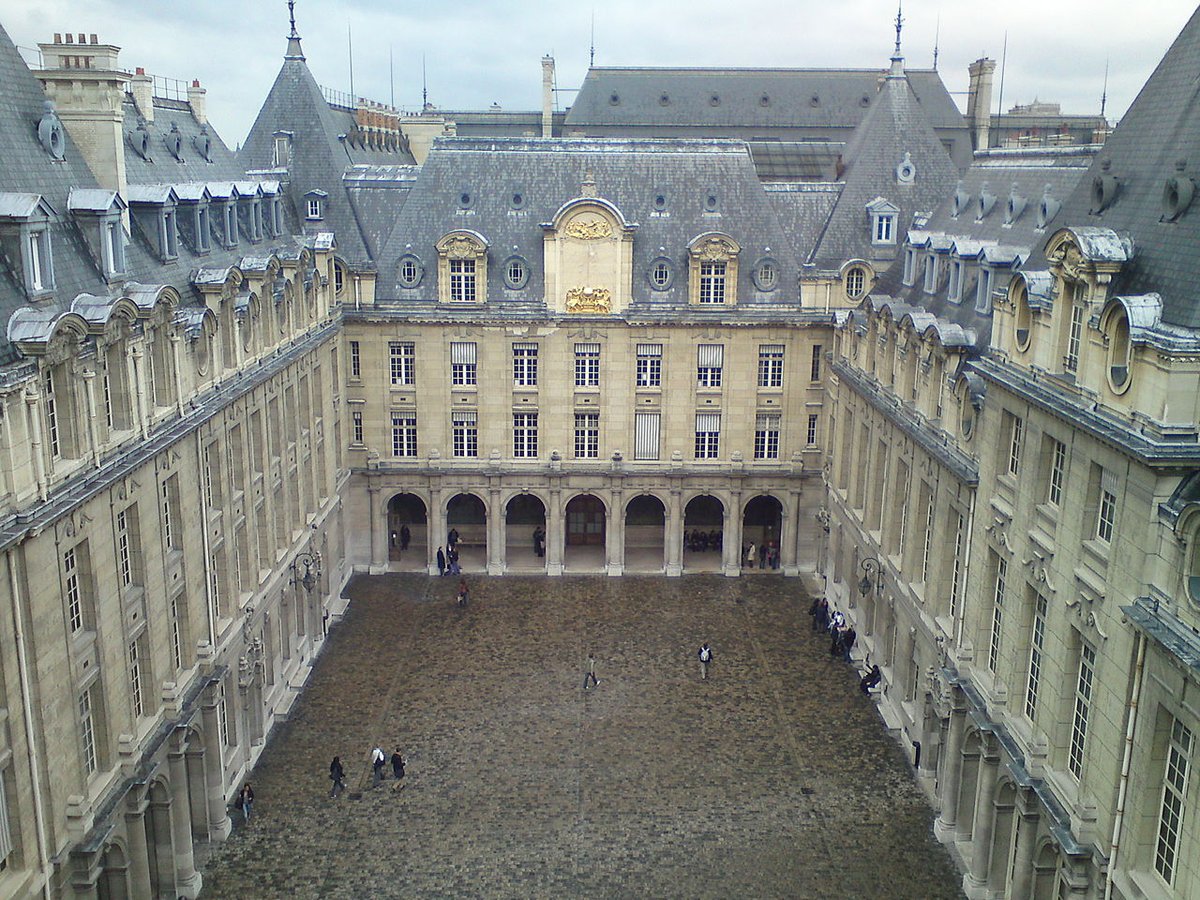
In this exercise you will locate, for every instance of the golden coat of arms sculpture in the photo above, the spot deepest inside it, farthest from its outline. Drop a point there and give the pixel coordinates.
(589, 300)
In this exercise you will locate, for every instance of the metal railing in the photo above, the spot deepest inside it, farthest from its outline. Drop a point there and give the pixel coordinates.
(170, 88)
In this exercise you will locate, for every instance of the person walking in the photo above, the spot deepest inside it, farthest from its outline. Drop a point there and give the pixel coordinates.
(849, 636)
(398, 768)
(464, 594)
(246, 801)
(377, 760)
(452, 559)
(590, 671)
(338, 776)
(405, 537)
(705, 655)
(441, 561)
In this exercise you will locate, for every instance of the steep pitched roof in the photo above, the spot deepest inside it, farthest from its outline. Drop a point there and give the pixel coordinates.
(895, 129)
(320, 153)
(1160, 131)
(174, 117)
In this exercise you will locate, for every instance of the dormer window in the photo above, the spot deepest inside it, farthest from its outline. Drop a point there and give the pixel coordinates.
(910, 266)
(983, 290)
(931, 272)
(883, 215)
(315, 205)
(714, 265)
(25, 234)
(231, 230)
(276, 217)
(462, 268)
(203, 225)
(168, 234)
(954, 290)
(40, 264)
(112, 243)
(153, 209)
(281, 155)
(98, 213)
(256, 221)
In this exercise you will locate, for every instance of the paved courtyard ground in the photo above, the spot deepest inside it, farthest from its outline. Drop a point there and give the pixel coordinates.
(774, 778)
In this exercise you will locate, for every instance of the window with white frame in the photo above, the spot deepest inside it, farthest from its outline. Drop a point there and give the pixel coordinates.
(135, 680)
(525, 435)
(587, 435)
(404, 434)
(355, 360)
(50, 398)
(646, 435)
(884, 230)
(73, 588)
(112, 243)
(462, 281)
(1074, 329)
(983, 290)
(708, 435)
(1037, 646)
(1083, 705)
(282, 151)
(462, 363)
(403, 359)
(713, 268)
(1058, 472)
(176, 625)
(1016, 430)
(958, 525)
(712, 281)
(1176, 779)
(356, 427)
(1000, 567)
(811, 436)
(40, 261)
(710, 359)
(770, 365)
(87, 732)
(1106, 515)
(128, 553)
(910, 266)
(766, 436)
(954, 289)
(464, 433)
(525, 364)
(927, 544)
(315, 208)
(649, 365)
(931, 271)
(587, 365)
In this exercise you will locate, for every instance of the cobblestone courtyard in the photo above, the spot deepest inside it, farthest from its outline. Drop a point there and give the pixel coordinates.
(774, 778)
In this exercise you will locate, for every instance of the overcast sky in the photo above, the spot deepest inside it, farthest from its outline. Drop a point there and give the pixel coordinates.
(481, 51)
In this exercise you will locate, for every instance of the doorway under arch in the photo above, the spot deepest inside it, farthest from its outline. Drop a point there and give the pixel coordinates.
(645, 534)
(408, 533)
(525, 534)
(586, 535)
(762, 526)
(466, 528)
(703, 534)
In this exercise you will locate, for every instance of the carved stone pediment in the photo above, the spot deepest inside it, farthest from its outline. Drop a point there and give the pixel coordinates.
(589, 300)
(589, 229)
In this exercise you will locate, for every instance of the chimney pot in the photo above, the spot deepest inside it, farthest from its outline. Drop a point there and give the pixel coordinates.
(58, 37)
(70, 38)
(82, 38)
(93, 37)
(139, 71)
(195, 82)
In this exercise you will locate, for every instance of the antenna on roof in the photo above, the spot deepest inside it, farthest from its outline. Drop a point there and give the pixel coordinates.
(937, 33)
(899, 25)
(292, 17)
(424, 86)
(1003, 65)
(392, 77)
(592, 48)
(1104, 93)
(350, 46)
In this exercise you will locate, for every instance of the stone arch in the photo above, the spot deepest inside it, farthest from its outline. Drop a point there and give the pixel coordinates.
(1045, 871)
(703, 532)
(525, 531)
(586, 533)
(645, 533)
(762, 527)
(112, 882)
(157, 822)
(972, 749)
(408, 530)
(1004, 832)
(467, 529)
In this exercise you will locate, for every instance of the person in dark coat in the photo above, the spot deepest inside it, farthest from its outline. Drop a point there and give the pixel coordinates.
(871, 679)
(398, 766)
(338, 776)
(836, 645)
(441, 561)
(405, 537)
(821, 621)
(849, 636)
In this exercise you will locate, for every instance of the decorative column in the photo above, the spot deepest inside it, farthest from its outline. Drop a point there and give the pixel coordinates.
(674, 534)
(1026, 848)
(554, 534)
(732, 535)
(135, 843)
(789, 537)
(945, 827)
(219, 825)
(614, 533)
(373, 514)
(437, 528)
(975, 882)
(496, 537)
(187, 879)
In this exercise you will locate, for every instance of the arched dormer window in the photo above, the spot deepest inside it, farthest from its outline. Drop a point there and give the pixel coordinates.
(713, 261)
(462, 268)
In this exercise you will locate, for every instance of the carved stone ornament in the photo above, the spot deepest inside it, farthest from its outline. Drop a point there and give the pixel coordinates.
(463, 248)
(589, 300)
(588, 229)
(713, 249)
(1068, 256)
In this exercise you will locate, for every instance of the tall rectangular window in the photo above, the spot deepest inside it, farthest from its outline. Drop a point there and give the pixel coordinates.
(1083, 705)
(464, 427)
(525, 365)
(815, 367)
(766, 436)
(587, 435)
(1176, 778)
(87, 732)
(176, 636)
(1016, 430)
(1074, 337)
(1106, 516)
(708, 435)
(170, 513)
(403, 359)
(51, 405)
(645, 435)
(811, 435)
(462, 280)
(983, 290)
(956, 570)
(587, 365)
(74, 590)
(770, 365)
(128, 547)
(355, 360)
(1058, 470)
(525, 435)
(998, 586)
(710, 359)
(462, 363)
(1037, 644)
(135, 679)
(712, 281)
(649, 365)
(928, 542)
(404, 434)
(356, 426)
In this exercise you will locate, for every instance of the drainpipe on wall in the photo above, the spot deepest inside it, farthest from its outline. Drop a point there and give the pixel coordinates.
(35, 772)
(1135, 697)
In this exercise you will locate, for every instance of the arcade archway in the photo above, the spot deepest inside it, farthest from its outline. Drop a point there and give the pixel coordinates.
(525, 533)
(586, 534)
(762, 526)
(703, 534)
(466, 529)
(645, 534)
(408, 533)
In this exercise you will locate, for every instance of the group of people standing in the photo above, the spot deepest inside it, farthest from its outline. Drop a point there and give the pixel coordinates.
(765, 555)
(379, 759)
(701, 541)
(841, 639)
(447, 561)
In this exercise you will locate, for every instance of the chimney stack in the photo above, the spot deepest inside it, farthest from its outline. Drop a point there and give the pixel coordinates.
(196, 100)
(547, 96)
(979, 100)
(142, 88)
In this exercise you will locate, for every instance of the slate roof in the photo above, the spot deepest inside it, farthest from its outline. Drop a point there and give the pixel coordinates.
(817, 98)
(1161, 129)
(896, 125)
(628, 173)
(796, 160)
(320, 154)
(803, 210)
(957, 227)
(376, 195)
(160, 166)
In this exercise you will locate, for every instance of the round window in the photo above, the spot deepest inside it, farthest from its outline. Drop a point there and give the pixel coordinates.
(517, 200)
(660, 203)
(766, 275)
(410, 271)
(1119, 352)
(661, 274)
(710, 203)
(1024, 317)
(339, 279)
(516, 273)
(967, 417)
(856, 283)
(465, 200)
(202, 351)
